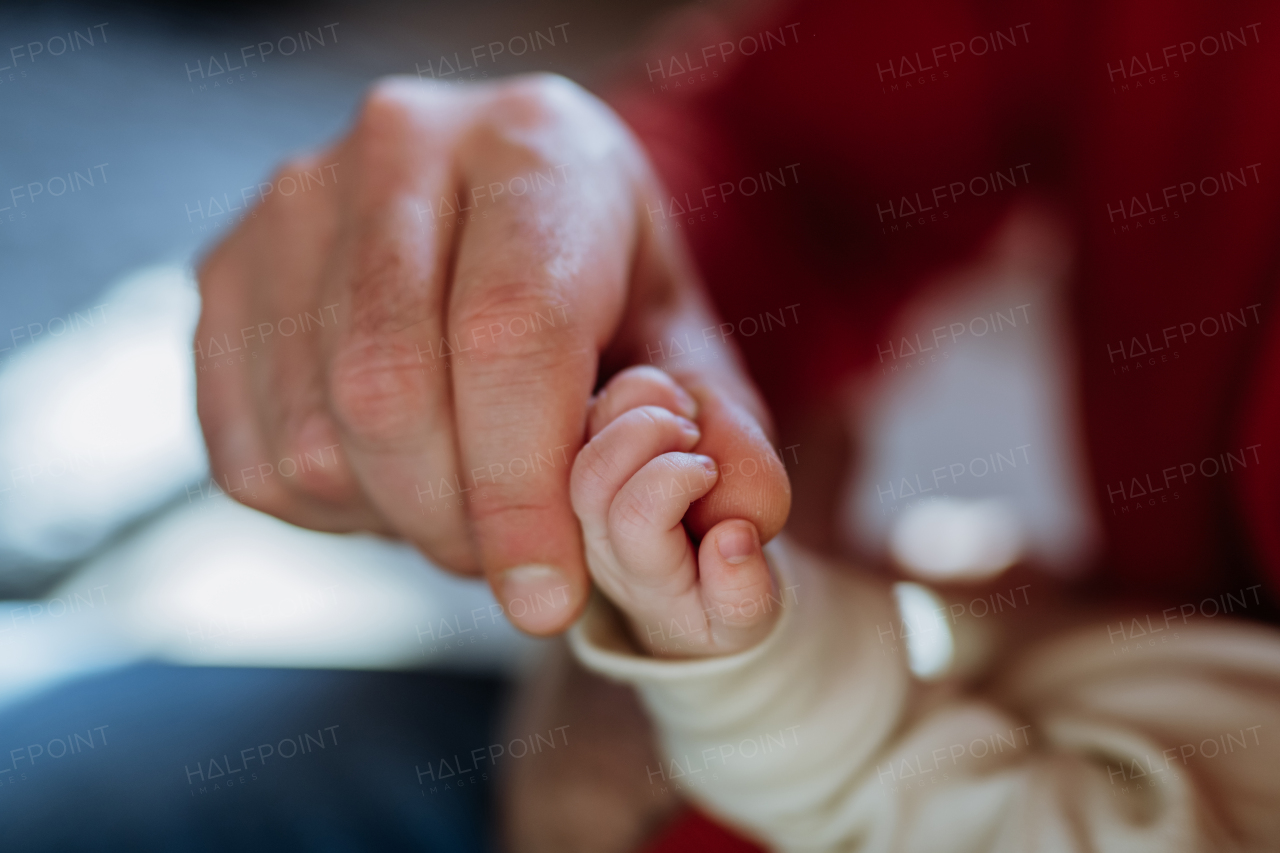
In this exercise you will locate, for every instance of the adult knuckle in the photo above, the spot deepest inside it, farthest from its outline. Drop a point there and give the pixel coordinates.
(533, 121)
(237, 476)
(396, 116)
(498, 507)
(387, 284)
(320, 478)
(387, 105)
(398, 101)
(537, 99)
(318, 472)
(521, 319)
(279, 199)
(376, 389)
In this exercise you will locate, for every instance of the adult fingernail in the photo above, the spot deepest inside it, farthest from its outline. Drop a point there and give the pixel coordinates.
(737, 544)
(536, 597)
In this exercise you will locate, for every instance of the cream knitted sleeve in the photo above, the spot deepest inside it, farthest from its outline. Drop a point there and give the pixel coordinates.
(818, 739)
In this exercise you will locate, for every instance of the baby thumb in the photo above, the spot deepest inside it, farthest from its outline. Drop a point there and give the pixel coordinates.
(737, 586)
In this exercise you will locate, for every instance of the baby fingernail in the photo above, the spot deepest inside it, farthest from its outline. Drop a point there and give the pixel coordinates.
(737, 544)
(689, 428)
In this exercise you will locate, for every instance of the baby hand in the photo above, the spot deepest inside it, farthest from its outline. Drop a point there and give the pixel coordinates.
(631, 485)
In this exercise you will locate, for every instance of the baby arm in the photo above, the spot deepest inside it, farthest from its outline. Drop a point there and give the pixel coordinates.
(802, 727)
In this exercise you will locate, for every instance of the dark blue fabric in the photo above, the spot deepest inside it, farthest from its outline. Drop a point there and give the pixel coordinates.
(177, 759)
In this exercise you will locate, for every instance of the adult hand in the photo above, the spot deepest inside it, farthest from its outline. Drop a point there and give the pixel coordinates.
(403, 335)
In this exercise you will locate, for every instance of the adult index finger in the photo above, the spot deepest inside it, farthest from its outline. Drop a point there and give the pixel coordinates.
(539, 285)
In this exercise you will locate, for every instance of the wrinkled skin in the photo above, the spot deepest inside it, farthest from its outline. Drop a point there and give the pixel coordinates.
(458, 351)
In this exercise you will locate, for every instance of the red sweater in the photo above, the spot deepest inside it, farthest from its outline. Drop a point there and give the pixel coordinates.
(861, 148)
